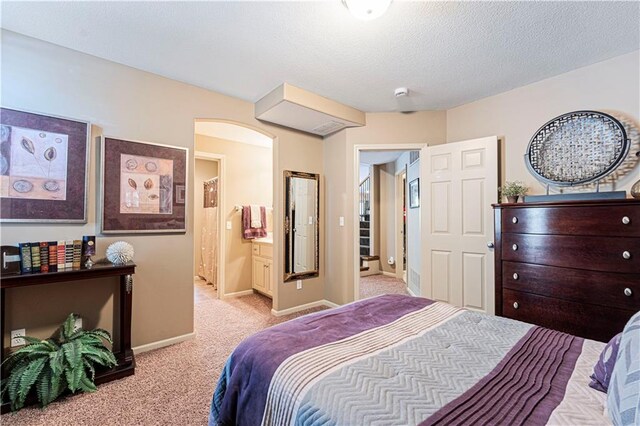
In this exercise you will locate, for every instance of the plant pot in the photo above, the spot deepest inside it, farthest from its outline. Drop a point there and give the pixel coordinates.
(513, 199)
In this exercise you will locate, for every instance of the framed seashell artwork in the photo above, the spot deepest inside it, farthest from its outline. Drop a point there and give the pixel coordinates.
(43, 167)
(139, 182)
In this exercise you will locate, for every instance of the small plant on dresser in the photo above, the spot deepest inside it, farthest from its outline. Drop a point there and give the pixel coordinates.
(512, 190)
(49, 367)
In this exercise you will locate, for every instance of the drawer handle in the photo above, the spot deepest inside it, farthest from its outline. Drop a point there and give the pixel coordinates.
(628, 292)
(515, 276)
(514, 247)
(514, 220)
(626, 255)
(515, 305)
(626, 220)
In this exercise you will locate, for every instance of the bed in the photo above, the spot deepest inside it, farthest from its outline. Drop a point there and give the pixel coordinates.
(397, 359)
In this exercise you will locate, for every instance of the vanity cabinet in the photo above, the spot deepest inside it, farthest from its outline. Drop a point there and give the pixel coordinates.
(262, 266)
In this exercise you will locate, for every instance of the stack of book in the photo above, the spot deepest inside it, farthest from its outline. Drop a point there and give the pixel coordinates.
(53, 256)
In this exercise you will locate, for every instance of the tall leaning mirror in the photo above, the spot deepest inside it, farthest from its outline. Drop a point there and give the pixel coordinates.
(301, 227)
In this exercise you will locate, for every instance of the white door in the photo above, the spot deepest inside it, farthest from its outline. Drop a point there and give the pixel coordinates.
(462, 183)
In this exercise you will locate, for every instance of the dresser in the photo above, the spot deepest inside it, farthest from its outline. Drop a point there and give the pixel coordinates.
(262, 265)
(572, 266)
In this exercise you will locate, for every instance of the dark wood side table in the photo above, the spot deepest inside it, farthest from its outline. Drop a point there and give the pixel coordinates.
(126, 360)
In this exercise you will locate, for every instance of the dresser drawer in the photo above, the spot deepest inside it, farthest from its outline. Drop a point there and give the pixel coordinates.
(610, 289)
(584, 320)
(622, 221)
(612, 254)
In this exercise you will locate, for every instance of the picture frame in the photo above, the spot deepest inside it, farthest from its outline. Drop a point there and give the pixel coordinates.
(44, 167)
(414, 193)
(139, 180)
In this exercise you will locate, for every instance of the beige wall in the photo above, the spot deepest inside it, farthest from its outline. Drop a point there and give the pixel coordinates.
(612, 86)
(203, 171)
(125, 102)
(382, 128)
(248, 179)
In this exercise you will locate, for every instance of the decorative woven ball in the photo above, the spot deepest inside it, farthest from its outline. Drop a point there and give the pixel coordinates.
(120, 253)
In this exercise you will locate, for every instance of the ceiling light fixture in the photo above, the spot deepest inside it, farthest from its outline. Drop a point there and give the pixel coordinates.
(367, 10)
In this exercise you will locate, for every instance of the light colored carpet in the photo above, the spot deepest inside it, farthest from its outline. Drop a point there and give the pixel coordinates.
(173, 385)
(375, 285)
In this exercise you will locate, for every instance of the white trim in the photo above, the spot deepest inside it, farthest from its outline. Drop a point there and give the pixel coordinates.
(398, 216)
(389, 274)
(422, 147)
(237, 294)
(220, 158)
(162, 343)
(303, 307)
(410, 292)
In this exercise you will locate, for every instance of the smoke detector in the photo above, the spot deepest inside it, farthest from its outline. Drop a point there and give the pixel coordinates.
(401, 91)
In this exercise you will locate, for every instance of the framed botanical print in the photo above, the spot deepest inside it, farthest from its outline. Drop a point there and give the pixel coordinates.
(414, 193)
(138, 184)
(43, 167)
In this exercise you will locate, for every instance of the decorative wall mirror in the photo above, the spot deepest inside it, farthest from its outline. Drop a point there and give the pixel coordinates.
(301, 227)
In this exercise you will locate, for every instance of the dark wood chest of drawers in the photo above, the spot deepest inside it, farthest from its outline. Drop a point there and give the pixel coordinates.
(571, 266)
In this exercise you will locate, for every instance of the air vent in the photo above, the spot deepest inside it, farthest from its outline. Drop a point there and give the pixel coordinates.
(302, 110)
(326, 128)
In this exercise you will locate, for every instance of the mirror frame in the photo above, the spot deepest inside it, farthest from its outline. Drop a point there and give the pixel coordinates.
(290, 275)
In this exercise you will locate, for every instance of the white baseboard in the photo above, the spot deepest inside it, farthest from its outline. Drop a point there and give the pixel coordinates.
(162, 343)
(410, 292)
(303, 307)
(389, 274)
(330, 304)
(238, 294)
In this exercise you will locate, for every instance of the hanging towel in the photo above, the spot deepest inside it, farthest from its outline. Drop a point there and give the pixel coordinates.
(249, 233)
(256, 219)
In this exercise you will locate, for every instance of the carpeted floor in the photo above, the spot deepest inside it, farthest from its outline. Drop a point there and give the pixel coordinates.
(374, 285)
(173, 385)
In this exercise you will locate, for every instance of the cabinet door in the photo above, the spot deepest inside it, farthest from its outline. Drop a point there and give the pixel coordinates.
(259, 273)
(267, 277)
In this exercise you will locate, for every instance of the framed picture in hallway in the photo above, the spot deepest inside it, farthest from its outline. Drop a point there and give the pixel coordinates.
(138, 184)
(43, 168)
(414, 193)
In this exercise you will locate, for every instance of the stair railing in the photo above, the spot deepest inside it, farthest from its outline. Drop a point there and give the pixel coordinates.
(365, 196)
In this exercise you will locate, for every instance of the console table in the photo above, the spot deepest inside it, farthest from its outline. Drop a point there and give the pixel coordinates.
(126, 361)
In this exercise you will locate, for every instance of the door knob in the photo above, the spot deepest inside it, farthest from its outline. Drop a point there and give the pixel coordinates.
(490, 244)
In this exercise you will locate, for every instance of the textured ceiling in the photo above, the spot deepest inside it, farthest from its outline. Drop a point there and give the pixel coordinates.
(447, 53)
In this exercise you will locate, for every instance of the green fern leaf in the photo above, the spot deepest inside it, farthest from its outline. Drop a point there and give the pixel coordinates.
(56, 361)
(91, 368)
(32, 340)
(73, 354)
(13, 385)
(43, 388)
(68, 327)
(29, 377)
(104, 334)
(87, 385)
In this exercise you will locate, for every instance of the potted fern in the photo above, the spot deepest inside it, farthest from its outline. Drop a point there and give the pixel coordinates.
(66, 361)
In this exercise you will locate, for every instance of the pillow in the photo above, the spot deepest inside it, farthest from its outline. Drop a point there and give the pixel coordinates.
(604, 367)
(623, 397)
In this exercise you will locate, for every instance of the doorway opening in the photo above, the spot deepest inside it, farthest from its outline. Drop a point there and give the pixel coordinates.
(388, 220)
(233, 212)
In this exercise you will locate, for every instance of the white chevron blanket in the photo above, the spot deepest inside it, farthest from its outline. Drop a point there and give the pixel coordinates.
(432, 364)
